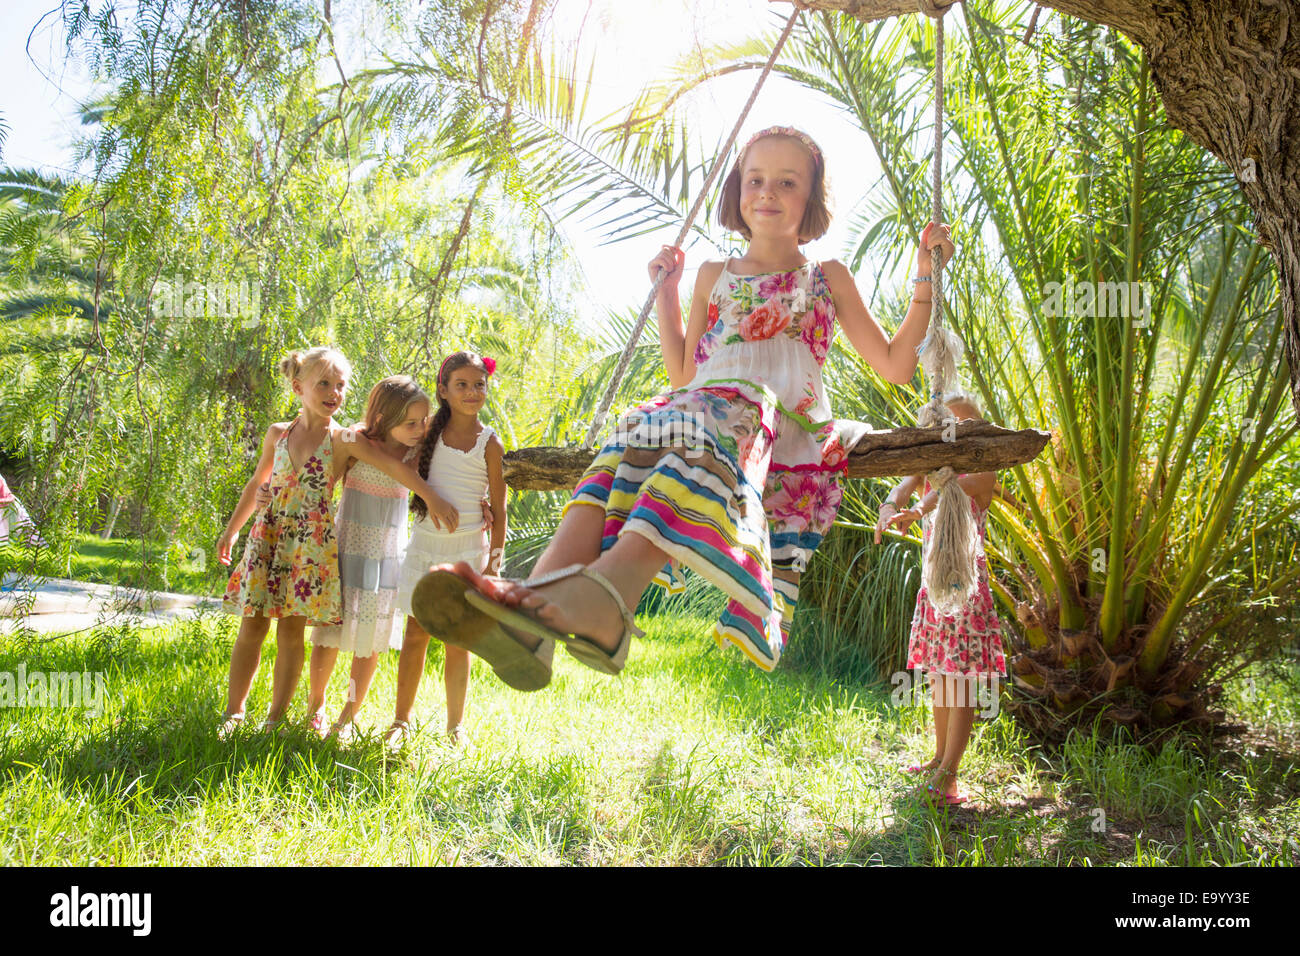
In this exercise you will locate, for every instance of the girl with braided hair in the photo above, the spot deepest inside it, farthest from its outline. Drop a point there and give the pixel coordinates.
(461, 458)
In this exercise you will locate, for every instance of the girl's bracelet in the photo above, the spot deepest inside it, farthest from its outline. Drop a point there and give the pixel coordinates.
(917, 279)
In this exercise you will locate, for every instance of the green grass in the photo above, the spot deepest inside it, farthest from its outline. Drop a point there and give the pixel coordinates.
(119, 561)
(690, 757)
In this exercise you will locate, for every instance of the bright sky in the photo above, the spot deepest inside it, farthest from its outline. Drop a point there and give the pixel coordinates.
(41, 119)
(637, 42)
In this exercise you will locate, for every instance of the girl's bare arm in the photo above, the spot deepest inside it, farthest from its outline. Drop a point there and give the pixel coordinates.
(349, 444)
(247, 500)
(902, 492)
(894, 358)
(698, 322)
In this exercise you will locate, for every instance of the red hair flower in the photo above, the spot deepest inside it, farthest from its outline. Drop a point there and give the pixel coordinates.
(490, 364)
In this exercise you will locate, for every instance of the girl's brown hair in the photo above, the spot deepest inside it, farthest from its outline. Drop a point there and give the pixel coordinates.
(387, 405)
(965, 398)
(454, 361)
(816, 215)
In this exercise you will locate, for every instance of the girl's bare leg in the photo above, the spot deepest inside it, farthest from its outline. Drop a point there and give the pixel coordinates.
(244, 658)
(455, 678)
(410, 668)
(576, 541)
(318, 676)
(288, 664)
(961, 719)
(359, 680)
(940, 725)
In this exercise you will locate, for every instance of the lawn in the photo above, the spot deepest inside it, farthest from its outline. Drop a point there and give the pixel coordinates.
(690, 757)
(119, 560)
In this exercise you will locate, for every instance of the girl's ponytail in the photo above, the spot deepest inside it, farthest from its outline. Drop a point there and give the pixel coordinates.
(291, 365)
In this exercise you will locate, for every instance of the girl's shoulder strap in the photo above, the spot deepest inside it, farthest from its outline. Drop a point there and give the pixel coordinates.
(331, 434)
(720, 284)
(480, 443)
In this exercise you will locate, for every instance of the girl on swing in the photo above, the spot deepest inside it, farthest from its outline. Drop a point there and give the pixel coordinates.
(749, 484)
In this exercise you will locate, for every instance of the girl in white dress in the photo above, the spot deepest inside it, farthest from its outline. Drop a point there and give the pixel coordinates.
(462, 458)
(371, 530)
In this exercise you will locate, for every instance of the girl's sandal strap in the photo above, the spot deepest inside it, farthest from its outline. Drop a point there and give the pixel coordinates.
(229, 724)
(629, 620)
(584, 649)
(591, 653)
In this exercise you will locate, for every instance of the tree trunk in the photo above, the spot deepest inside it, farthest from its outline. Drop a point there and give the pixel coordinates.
(1228, 73)
(967, 447)
(114, 508)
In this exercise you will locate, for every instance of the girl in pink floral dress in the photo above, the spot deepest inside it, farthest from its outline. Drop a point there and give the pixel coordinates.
(961, 652)
(735, 474)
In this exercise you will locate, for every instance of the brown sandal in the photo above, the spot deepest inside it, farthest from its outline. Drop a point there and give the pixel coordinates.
(440, 604)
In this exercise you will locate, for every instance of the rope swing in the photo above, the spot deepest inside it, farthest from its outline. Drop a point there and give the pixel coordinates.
(948, 566)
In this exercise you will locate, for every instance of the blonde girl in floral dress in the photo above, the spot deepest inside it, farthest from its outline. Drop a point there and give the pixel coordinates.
(290, 570)
(735, 473)
(961, 652)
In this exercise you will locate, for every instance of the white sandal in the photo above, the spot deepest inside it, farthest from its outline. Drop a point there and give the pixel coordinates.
(397, 735)
(229, 724)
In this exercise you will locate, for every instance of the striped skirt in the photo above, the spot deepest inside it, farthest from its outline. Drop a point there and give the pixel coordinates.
(694, 473)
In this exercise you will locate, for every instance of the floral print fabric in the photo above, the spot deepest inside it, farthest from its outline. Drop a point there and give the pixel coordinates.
(968, 643)
(290, 563)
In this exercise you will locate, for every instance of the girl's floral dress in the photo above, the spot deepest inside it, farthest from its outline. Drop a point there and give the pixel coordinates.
(737, 475)
(968, 643)
(290, 566)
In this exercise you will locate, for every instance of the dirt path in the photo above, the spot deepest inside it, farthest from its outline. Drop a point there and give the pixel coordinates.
(59, 606)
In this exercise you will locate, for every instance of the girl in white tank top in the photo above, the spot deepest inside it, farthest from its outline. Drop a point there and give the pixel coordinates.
(461, 458)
